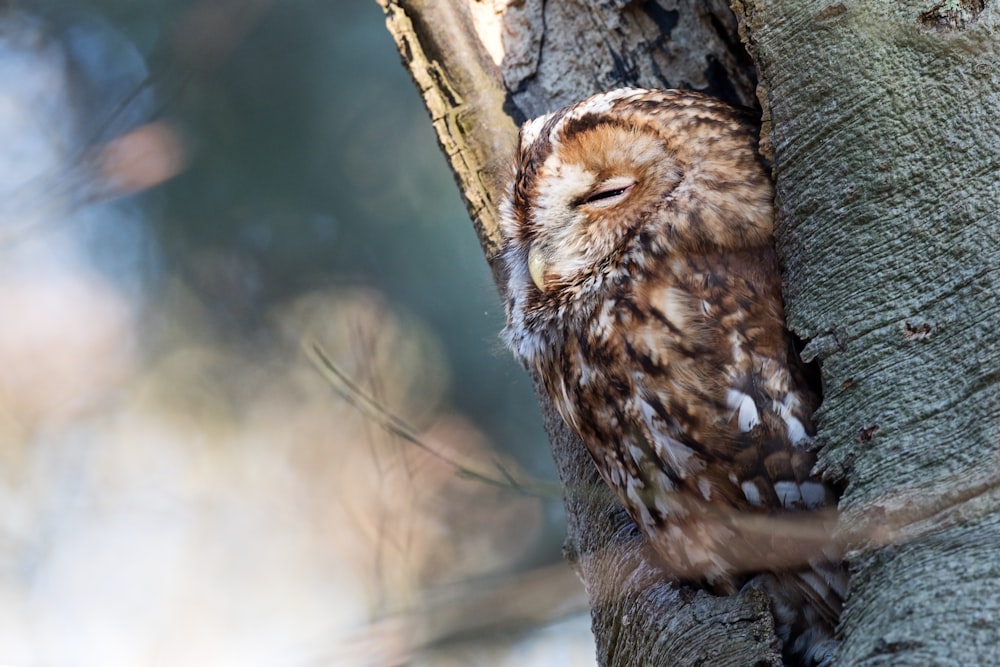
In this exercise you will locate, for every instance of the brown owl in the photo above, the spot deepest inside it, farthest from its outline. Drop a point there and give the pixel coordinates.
(643, 288)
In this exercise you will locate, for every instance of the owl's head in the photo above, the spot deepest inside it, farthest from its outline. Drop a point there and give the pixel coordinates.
(623, 179)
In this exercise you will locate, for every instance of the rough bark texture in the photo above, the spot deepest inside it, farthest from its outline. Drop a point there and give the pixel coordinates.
(545, 55)
(886, 148)
(465, 97)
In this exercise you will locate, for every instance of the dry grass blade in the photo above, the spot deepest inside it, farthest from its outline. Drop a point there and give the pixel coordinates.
(500, 476)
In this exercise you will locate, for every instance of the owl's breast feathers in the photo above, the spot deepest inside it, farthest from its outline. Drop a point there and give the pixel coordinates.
(688, 394)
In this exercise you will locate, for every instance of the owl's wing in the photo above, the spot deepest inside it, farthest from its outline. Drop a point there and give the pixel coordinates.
(695, 509)
(717, 434)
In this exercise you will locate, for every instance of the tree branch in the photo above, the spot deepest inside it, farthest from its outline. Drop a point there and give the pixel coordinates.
(547, 55)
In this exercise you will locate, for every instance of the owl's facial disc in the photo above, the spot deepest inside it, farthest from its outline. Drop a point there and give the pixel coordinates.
(577, 213)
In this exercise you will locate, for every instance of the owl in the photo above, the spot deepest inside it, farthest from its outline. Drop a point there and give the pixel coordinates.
(643, 288)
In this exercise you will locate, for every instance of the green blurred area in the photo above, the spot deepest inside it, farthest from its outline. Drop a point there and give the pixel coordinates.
(315, 164)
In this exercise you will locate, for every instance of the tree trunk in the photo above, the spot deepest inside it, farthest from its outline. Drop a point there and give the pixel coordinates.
(886, 150)
(879, 123)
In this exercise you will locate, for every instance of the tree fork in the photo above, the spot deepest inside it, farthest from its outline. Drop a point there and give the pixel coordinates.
(638, 617)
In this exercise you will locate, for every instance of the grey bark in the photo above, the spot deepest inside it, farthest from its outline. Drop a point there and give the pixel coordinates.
(879, 121)
(886, 148)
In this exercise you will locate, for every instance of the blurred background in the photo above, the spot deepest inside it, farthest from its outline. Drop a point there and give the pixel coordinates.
(192, 193)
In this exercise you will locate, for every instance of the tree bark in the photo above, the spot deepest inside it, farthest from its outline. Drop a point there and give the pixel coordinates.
(886, 149)
(879, 121)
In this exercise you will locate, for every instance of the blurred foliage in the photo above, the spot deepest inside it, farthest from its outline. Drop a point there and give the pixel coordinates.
(178, 480)
(315, 164)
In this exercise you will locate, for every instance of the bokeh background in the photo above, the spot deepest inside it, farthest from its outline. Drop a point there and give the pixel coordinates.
(192, 192)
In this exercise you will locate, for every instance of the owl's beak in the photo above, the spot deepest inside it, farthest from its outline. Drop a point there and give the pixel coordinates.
(536, 266)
